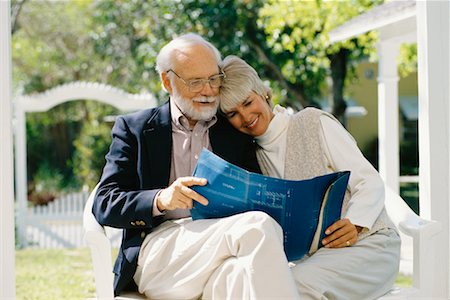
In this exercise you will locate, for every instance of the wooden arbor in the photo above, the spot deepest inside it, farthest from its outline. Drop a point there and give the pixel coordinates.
(49, 99)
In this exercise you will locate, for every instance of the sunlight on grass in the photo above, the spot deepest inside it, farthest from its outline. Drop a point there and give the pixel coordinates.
(67, 274)
(403, 281)
(54, 274)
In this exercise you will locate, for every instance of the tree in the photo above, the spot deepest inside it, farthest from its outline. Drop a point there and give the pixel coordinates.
(116, 42)
(92, 144)
(287, 42)
(51, 46)
(127, 36)
(235, 27)
(301, 28)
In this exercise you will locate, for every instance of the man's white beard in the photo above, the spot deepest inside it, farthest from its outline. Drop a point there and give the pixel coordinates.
(200, 113)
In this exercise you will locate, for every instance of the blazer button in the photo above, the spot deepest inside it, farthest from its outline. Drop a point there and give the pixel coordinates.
(143, 234)
(133, 224)
(142, 223)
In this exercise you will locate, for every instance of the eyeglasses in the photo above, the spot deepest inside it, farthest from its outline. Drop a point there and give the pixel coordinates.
(196, 85)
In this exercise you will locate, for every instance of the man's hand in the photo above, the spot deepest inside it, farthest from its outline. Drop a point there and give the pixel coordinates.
(341, 234)
(179, 195)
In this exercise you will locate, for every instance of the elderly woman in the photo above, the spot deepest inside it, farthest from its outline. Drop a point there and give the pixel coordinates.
(360, 257)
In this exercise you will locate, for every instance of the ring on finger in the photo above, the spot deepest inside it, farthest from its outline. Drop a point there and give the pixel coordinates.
(348, 243)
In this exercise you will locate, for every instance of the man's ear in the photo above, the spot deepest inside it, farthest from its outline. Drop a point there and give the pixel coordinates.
(166, 82)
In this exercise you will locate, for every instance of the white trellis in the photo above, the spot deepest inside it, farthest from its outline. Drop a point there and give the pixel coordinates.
(427, 24)
(49, 99)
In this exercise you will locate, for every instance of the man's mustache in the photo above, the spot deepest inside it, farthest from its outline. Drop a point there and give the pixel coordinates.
(204, 99)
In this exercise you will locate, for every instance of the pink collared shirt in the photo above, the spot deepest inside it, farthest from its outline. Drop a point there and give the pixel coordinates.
(187, 143)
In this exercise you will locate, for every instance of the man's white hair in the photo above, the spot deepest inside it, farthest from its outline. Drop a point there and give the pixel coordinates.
(165, 58)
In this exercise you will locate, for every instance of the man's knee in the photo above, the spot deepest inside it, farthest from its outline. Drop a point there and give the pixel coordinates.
(260, 217)
(254, 228)
(264, 222)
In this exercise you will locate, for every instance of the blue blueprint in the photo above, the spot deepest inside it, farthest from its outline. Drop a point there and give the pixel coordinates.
(296, 205)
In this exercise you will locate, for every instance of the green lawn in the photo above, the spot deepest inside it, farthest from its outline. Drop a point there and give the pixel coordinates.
(66, 274)
(403, 281)
(54, 274)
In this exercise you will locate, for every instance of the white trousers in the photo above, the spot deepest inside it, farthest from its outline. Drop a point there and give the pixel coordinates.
(366, 270)
(238, 257)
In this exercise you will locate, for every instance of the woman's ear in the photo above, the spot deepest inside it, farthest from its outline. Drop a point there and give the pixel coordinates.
(268, 97)
(166, 82)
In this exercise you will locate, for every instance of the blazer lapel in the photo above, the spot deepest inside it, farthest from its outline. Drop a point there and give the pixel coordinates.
(158, 139)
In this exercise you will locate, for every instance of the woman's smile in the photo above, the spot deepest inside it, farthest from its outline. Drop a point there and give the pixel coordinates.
(252, 116)
(253, 123)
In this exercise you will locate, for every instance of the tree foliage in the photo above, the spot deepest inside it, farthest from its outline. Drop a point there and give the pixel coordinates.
(116, 42)
(51, 46)
(286, 41)
(407, 61)
(297, 31)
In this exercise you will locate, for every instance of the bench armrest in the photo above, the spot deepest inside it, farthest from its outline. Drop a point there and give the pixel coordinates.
(98, 242)
(423, 233)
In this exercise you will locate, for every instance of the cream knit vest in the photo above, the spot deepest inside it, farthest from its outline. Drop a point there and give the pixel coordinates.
(305, 158)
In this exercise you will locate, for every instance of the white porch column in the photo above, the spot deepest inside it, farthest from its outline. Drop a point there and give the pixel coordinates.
(434, 154)
(21, 172)
(7, 254)
(388, 141)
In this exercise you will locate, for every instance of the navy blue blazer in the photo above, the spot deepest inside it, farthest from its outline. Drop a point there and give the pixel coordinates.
(138, 166)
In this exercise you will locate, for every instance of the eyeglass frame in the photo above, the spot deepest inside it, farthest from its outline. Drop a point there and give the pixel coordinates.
(188, 83)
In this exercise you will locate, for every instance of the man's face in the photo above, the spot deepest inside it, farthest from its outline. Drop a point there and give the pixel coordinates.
(198, 107)
(192, 63)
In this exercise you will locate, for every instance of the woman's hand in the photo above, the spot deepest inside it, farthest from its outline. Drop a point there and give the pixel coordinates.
(341, 234)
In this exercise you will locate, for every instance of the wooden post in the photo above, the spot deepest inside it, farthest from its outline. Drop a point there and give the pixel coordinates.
(7, 245)
(433, 48)
(21, 173)
(388, 141)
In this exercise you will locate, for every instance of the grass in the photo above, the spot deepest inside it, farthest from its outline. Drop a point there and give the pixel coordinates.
(403, 281)
(54, 274)
(67, 274)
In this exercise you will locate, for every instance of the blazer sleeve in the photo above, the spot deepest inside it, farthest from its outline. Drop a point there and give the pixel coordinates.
(119, 201)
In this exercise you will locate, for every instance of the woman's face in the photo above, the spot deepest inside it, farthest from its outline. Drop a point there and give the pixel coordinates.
(252, 116)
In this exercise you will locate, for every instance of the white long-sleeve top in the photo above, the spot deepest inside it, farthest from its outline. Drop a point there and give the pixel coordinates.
(341, 153)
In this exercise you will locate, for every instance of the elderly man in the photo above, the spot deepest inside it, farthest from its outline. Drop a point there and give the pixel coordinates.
(145, 189)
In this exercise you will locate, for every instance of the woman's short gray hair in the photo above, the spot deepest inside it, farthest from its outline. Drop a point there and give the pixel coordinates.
(241, 79)
(164, 60)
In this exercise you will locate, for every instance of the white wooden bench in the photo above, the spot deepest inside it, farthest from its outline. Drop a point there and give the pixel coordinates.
(421, 231)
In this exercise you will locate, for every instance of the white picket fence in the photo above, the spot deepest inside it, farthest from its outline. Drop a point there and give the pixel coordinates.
(59, 224)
